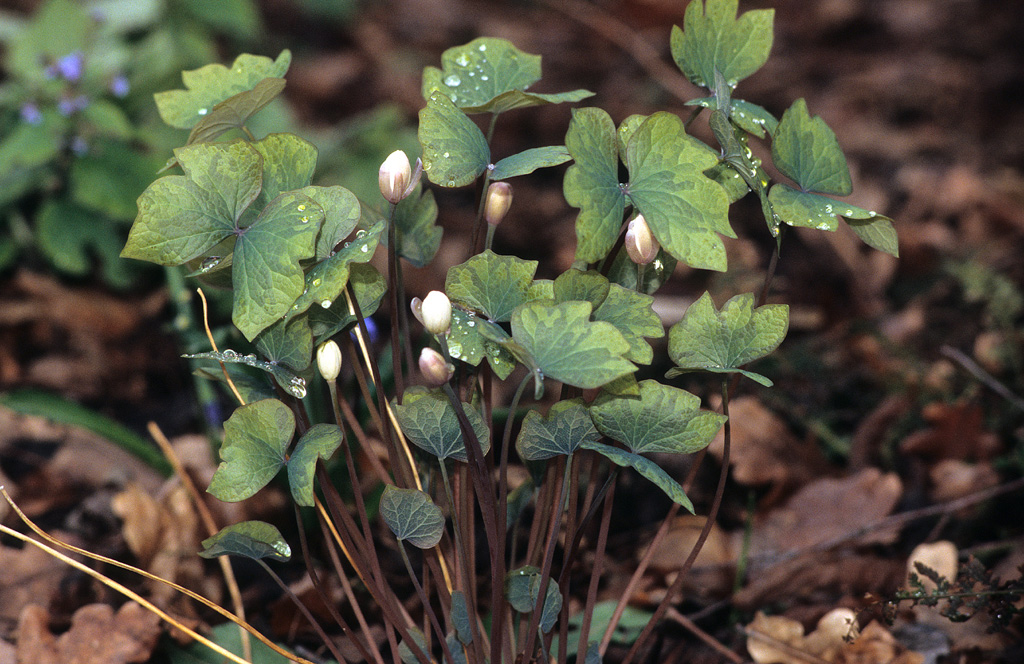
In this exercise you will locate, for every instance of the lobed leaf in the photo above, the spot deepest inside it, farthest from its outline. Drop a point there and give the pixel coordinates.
(319, 442)
(561, 432)
(530, 160)
(430, 422)
(723, 341)
(250, 539)
(714, 39)
(412, 516)
(662, 419)
(455, 151)
(568, 346)
(235, 111)
(256, 437)
(210, 85)
(645, 467)
(805, 150)
(491, 284)
(632, 314)
(522, 588)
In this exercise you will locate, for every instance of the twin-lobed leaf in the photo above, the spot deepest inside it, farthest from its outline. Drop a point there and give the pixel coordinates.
(646, 468)
(256, 437)
(468, 342)
(455, 151)
(561, 432)
(412, 516)
(723, 341)
(319, 442)
(430, 422)
(491, 284)
(522, 588)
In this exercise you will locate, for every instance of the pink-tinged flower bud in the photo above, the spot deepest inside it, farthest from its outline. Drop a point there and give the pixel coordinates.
(436, 312)
(435, 370)
(394, 177)
(499, 200)
(328, 360)
(641, 246)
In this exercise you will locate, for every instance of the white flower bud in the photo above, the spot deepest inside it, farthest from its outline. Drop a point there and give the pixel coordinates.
(435, 370)
(499, 200)
(394, 177)
(436, 312)
(641, 245)
(416, 304)
(328, 360)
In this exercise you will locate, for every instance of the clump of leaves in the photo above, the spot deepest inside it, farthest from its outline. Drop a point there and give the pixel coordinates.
(244, 214)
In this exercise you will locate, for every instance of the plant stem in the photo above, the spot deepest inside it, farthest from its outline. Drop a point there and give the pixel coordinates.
(427, 608)
(709, 522)
(303, 609)
(393, 291)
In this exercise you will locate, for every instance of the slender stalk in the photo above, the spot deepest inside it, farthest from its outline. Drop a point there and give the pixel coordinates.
(549, 556)
(595, 575)
(303, 609)
(709, 522)
(461, 551)
(393, 291)
(427, 608)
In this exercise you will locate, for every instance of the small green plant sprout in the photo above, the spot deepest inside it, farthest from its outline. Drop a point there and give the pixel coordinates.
(244, 213)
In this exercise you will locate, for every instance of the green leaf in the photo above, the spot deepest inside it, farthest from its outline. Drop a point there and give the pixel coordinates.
(801, 208)
(592, 182)
(567, 346)
(645, 467)
(573, 284)
(110, 179)
(417, 233)
(225, 635)
(876, 232)
(491, 284)
(235, 111)
(560, 432)
(181, 217)
(455, 151)
(341, 215)
(430, 422)
(713, 38)
(805, 150)
(513, 99)
(522, 588)
(249, 539)
(631, 623)
(749, 117)
(683, 207)
(723, 341)
(288, 164)
(412, 516)
(530, 160)
(663, 419)
(319, 442)
(405, 652)
(369, 287)
(210, 85)
(460, 617)
(256, 437)
(267, 275)
(467, 343)
(324, 283)
(60, 410)
(107, 119)
(477, 72)
(632, 314)
(287, 342)
(238, 18)
(73, 238)
(294, 385)
(59, 27)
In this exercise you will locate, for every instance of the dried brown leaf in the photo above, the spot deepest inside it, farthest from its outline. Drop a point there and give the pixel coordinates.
(97, 636)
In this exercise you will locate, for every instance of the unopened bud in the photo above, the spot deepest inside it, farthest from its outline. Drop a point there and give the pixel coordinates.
(394, 177)
(499, 200)
(328, 360)
(641, 245)
(436, 312)
(416, 304)
(435, 370)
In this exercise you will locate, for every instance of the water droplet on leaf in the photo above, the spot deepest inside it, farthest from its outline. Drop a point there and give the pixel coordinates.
(326, 304)
(462, 60)
(452, 80)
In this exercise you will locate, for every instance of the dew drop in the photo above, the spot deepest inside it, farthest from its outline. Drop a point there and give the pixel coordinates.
(471, 323)
(462, 60)
(360, 233)
(446, 154)
(305, 220)
(427, 164)
(203, 111)
(828, 209)
(450, 182)
(302, 206)
(472, 73)
(210, 262)
(326, 304)
(229, 353)
(452, 80)
(365, 249)
(483, 47)
(849, 212)
(317, 282)
(485, 77)
(297, 387)
(251, 356)
(872, 213)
